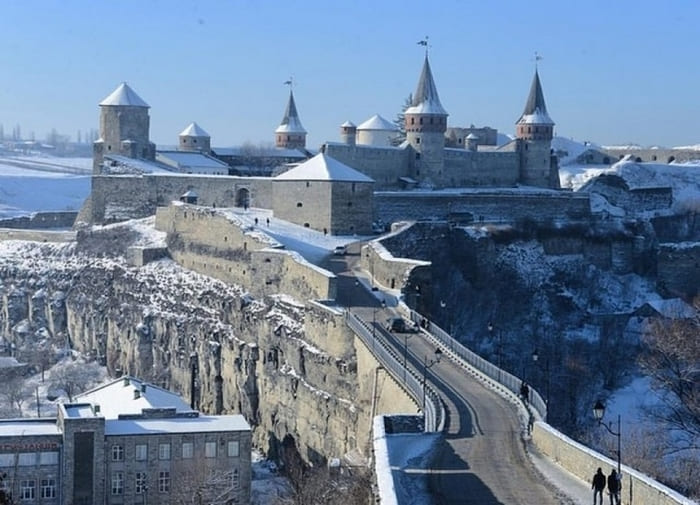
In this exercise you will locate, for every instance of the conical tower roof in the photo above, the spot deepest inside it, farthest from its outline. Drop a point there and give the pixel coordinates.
(426, 99)
(193, 130)
(290, 122)
(124, 95)
(535, 109)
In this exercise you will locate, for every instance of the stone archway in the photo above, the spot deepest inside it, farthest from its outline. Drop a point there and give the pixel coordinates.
(243, 198)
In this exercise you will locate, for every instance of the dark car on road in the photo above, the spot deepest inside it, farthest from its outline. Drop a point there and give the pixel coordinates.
(399, 325)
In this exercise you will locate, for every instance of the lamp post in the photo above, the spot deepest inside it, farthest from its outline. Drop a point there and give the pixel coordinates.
(535, 359)
(370, 259)
(492, 329)
(426, 365)
(405, 353)
(598, 413)
(374, 321)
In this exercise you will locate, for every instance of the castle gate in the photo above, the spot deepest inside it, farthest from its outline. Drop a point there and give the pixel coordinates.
(243, 198)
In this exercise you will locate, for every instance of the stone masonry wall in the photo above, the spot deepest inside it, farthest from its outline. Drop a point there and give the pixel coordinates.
(385, 166)
(465, 168)
(678, 269)
(207, 241)
(484, 205)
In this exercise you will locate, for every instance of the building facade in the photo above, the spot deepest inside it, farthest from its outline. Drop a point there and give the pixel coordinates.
(126, 442)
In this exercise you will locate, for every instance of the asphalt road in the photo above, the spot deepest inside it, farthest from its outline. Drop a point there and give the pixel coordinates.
(482, 459)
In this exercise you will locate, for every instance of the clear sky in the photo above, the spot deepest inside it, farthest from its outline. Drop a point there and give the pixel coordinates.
(613, 71)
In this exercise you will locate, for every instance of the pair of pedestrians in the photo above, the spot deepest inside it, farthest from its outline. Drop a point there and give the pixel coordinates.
(613, 482)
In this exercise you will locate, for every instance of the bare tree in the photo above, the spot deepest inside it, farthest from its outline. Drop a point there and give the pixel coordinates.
(16, 391)
(75, 377)
(203, 484)
(671, 359)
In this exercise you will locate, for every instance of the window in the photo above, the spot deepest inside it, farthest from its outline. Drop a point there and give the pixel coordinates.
(421, 120)
(299, 204)
(187, 450)
(164, 482)
(117, 483)
(48, 488)
(48, 458)
(26, 459)
(417, 140)
(141, 452)
(164, 450)
(117, 453)
(210, 450)
(233, 449)
(140, 487)
(26, 489)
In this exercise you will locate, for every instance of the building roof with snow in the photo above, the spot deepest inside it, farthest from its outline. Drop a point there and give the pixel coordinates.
(192, 162)
(348, 124)
(290, 122)
(124, 96)
(535, 109)
(323, 168)
(377, 122)
(426, 99)
(193, 130)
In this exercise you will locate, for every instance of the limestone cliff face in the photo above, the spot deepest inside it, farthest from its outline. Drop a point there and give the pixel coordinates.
(290, 368)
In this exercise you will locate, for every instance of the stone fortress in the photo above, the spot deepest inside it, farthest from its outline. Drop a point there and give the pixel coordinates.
(336, 191)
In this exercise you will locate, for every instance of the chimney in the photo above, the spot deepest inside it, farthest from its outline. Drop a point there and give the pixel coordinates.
(143, 387)
(96, 409)
(137, 394)
(126, 381)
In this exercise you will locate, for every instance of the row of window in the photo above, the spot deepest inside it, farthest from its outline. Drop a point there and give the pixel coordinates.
(187, 451)
(440, 120)
(27, 489)
(29, 459)
(140, 482)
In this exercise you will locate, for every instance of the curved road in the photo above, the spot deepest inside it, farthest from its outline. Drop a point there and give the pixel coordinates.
(482, 459)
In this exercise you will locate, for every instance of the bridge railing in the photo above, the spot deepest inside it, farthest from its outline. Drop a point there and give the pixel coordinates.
(434, 412)
(507, 380)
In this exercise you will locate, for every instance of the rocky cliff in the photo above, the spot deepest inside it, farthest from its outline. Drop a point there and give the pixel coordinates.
(290, 368)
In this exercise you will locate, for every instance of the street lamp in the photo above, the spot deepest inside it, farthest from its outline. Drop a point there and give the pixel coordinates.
(598, 413)
(428, 364)
(492, 329)
(405, 353)
(370, 259)
(535, 359)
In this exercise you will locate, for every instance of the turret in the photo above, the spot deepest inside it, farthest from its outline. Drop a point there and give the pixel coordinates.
(290, 134)
(194, 138)
(471, 142)
(425, 123)
(348, 132)
(535, 130)
(376, 131)
(124, 125)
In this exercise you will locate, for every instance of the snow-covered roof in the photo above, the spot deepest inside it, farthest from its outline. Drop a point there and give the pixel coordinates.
(290, 122)
(185, 159)
(266, 152)
(124, 95)
(535, 108)
(673, 308)
(176, 425)
(27, 427)
(426, 99)
(193, 130)
(323, 168)
(348, 124)
(471, 136)
(133, 165)
(377, 122)
(118, 397)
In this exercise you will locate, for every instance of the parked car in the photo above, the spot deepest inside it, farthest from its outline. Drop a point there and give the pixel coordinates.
(340, 250)
(399, 325)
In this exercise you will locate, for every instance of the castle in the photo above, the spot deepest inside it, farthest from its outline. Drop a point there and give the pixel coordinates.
(335, 191)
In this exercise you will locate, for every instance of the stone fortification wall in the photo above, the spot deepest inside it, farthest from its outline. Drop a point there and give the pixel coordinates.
(504, 206)
(657, 155)
(117, 197)
(384, 165)
(465, 168)
(617, 192)
(306, 203)
(211, 242)
(678, 269)
(41, 220)
(581, 461)
(386, 270)
(352, 208)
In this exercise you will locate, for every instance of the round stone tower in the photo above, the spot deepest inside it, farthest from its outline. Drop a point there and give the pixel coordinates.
(535, 130)
(290, 134)
(348, 132)
(425, 122)
(194, 138)
(124, 126)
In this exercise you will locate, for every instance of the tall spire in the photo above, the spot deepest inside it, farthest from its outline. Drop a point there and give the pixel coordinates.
(290, 122)
(426, 99)
(535, 109)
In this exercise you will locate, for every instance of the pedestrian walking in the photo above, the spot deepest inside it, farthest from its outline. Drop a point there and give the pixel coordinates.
(598, 486)
(268, 221)
(525, 392)
(614, 487)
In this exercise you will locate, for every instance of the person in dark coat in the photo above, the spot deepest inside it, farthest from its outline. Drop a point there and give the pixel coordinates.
(614, 488)
(598, 486)
(525, 392)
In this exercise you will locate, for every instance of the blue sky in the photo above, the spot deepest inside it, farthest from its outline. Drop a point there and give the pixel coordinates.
(613, 72)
